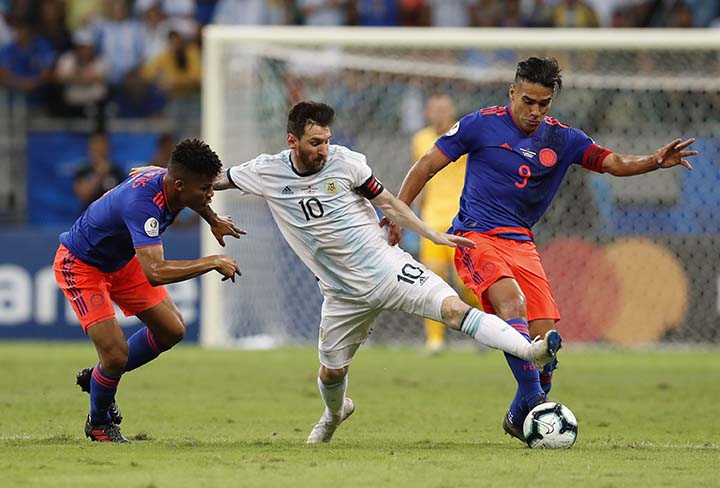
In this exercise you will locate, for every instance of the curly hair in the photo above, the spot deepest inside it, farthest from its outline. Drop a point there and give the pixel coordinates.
(197, 157)
(543, 71)
(308, 111)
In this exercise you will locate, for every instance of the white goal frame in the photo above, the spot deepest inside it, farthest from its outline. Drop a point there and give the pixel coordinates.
(212, 332)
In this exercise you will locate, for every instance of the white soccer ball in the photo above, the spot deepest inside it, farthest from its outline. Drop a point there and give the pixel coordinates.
(550, 425)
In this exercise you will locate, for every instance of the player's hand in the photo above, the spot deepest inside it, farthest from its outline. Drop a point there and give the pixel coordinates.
(394, 231)
(227, 267)
(223, 226)
(673, 154)
(141, 169)
(451, 240)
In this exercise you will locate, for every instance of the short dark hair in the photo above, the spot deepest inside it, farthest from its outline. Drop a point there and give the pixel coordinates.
(309, 111)
(543, 71)
(197, 157)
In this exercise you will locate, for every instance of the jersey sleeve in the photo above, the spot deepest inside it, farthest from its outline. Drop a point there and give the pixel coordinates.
(142, 219)
(462, 137)
(245, 177)
(361, 176)
(583, 150)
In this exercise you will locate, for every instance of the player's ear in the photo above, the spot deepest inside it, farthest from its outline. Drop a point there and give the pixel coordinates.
(292, 140)
(511, 91)
(179, 185)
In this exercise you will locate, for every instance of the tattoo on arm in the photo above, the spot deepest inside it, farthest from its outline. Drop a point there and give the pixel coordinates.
(222, 182)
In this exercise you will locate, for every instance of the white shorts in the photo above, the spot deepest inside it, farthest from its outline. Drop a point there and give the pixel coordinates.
(347, 322)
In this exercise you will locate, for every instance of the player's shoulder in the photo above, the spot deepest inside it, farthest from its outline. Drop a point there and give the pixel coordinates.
(344, 155)
(552, 121)
(492, 112)
(144, 189)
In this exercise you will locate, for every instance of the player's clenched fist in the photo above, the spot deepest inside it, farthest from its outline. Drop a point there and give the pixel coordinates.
(227, 267)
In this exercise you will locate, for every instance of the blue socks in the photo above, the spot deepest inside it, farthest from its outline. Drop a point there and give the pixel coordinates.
(529, 391)
(546, 376)
(143, 347)
(102, 393)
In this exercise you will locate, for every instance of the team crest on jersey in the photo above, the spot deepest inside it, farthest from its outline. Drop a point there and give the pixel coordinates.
(453, 130)
(152, 227)
(548, 157)
(527, 153)
(330, 187)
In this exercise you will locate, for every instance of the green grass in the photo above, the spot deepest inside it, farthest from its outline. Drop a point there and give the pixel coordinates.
(234, 418)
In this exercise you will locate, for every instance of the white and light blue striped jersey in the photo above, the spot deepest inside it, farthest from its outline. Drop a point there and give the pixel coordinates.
(324, 217)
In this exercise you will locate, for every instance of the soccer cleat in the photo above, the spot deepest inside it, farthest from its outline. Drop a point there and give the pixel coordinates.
(433, 347)
(542, 351)
(325, 428)
(512, 429)
(108, 432)
(83, 381)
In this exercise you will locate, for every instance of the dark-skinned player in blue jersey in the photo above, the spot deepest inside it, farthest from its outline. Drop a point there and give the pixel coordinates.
(114, 253)
(517, 158)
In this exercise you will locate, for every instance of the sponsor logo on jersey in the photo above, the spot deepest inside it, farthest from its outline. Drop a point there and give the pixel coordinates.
(311, 189)
(527, 153)
(287, 191)
(152, 227)
(453, 130)
(330, 187)
(548, 157)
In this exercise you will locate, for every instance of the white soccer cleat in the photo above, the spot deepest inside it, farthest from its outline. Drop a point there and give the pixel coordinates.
(325, 427)
(542, 351)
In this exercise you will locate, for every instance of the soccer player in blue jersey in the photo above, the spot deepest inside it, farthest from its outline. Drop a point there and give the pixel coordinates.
(517, 158)
(114, 253)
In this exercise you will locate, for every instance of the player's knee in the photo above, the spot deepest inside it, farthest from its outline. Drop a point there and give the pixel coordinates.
(113, 360)
(331, 376)
(511, 307)
(453, 310)
(176, 333)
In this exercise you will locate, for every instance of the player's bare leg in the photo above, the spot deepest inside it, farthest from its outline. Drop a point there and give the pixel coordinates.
(112, 350)
(332, 384)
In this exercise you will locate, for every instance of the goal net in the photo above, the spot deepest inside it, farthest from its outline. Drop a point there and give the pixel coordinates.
(632, 261)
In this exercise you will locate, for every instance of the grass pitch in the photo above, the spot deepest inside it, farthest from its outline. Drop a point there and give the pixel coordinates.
(237, 418)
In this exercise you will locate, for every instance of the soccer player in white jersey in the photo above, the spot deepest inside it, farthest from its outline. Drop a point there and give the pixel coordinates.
(319, 195)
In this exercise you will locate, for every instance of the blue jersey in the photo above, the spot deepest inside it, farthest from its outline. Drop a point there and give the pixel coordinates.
(511, 176)
(133, 214)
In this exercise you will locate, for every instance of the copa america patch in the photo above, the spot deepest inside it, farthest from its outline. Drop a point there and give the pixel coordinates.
(152, 227)
(453, 130)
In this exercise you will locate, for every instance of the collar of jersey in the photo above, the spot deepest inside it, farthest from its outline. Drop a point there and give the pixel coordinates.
(292, 166)
(522, 131)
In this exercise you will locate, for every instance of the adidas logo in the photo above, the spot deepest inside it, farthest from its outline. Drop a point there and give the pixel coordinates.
(286, 191)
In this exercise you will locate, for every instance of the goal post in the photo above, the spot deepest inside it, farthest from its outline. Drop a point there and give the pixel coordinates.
(631, 260)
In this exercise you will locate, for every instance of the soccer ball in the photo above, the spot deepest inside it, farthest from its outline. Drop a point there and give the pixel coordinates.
(550, 425)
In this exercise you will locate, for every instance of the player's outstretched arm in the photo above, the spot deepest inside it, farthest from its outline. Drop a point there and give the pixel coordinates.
(422, 171)
(399, 213)
(158, 271)
(668, 156)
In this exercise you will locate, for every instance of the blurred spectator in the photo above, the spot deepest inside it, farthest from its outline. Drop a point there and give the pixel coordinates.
(178, 72)
(573, 13)
(324, 12)
(138, 98)
(411, 13)
(120, 40)
(6, 34)
(251, 12)
(26, 64)
(171, 8)
(79, 14)
(452, 13)
(99, 174)
(704, 11)
(155, 31)
(53, 25)
(681, 16)
(376, 13)
(163, 151)
(81, 72)
(512, 15)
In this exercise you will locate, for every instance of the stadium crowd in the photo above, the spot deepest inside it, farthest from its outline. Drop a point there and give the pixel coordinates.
(73, 58)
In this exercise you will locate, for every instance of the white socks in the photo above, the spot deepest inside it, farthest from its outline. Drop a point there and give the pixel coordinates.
(334, 396)
(494, 332)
